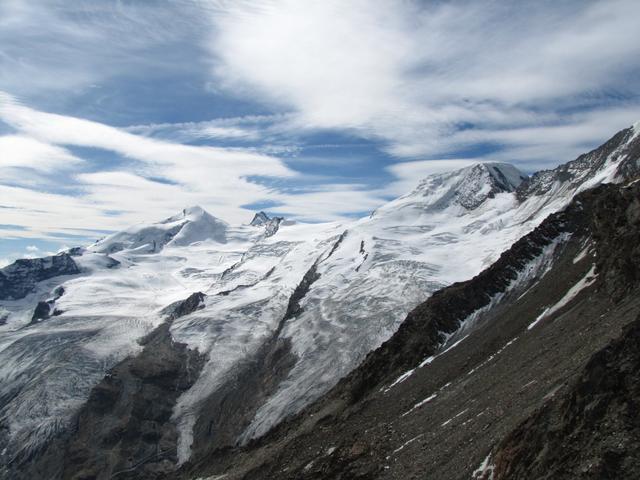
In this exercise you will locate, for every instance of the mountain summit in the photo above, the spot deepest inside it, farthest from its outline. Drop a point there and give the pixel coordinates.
(468, 187)
(191, 225)
(271, 225)
(457, 192)
(259, 219)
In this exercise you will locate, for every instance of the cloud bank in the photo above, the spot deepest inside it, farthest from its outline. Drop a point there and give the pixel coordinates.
(430, 78)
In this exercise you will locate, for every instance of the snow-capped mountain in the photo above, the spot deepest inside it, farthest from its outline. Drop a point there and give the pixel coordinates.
(274, 313)
(187, 227)
(527, 370)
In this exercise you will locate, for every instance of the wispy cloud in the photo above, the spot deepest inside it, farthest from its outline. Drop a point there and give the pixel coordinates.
(26, 152)
(215, 177)
(418, 74)
(159, 178)
(436, 85)
(247, 127)
(54, 46)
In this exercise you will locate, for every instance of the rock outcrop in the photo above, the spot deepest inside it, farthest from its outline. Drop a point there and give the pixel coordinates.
(19, 279)
(270, 224)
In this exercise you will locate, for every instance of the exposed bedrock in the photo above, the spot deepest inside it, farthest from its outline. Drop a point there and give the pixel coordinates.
(19, 279)
(124, 430)
(592, 432)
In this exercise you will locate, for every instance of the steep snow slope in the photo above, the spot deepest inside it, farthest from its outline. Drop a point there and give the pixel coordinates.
(328, 293)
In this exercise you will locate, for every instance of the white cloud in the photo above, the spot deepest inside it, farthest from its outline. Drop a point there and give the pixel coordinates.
(58, 46)
(27, 152)
(216, 178)
(218, 175)
(330, 60)
(413, 73)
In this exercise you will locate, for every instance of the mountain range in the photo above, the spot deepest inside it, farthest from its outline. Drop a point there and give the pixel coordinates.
(481, 326)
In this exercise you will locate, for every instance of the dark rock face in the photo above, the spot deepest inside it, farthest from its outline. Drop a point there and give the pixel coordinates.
(592, 432)
(184, 307)
(259, 219)
(19, 279)
(271, 225)
(229, 410)
(294, 308)
(42, 312)
(616, 221)
(125, 430)
(46, 309)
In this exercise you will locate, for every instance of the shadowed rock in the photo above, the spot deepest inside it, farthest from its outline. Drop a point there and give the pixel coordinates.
(20, 278)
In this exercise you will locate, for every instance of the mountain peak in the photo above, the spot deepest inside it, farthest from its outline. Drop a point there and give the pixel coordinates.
(195, 210)
(259, 219)
(191, 214)
(192, 224)
(270, 224)
(469, 186)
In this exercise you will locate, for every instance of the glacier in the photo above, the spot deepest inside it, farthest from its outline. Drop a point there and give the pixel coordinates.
(335, 291)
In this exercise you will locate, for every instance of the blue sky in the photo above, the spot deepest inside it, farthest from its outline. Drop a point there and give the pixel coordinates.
(119, 112)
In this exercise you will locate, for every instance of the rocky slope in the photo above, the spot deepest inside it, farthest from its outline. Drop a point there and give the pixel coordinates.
(592, 431)
(274, 317)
